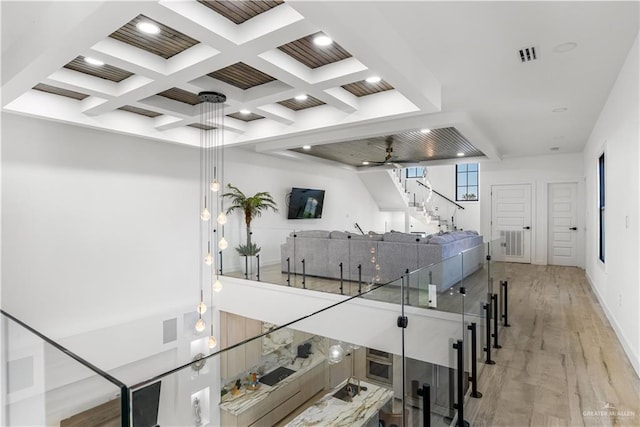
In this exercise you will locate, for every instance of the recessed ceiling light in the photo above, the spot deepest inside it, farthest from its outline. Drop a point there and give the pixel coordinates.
(93, 61)
(148, 27)
(565, 47)
(306, 147)
(554, 148)
(245, 112)
(365, 163)
(559, 110)
(301, 97)
(425, 130)
(460, 154)
(322, 40)
(373, 79)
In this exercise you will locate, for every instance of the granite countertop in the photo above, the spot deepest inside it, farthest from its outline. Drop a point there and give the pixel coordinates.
(331, 411)
(247, 398)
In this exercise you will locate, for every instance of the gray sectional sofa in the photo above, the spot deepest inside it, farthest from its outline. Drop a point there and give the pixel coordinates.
(323, 251)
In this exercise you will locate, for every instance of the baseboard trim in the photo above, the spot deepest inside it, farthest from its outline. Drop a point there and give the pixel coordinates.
(631, 355)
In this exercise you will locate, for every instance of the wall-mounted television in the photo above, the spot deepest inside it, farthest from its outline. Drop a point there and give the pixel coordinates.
(305, 203)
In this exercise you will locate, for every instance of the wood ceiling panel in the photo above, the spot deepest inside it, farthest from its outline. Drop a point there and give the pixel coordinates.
(105, 71)
(201, 126)
(296, 105)
(59, 91)
(303, 50)
(246, 117)
(181, 95)
(362, 88)
(167, 43)
(240, 11)
(408, 147)
(242, 76)
(141, 111)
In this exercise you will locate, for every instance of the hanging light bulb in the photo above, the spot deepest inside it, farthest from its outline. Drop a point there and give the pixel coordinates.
(377, 277)
(214, 186)
(205, 214)
(208, 259)
(222, 218)
(377, 267)
(212, 342)
(217, 286)
(202, 308)
(200, 325)
(223, 244)
(373, 250)
(336, 354)
(373, 259)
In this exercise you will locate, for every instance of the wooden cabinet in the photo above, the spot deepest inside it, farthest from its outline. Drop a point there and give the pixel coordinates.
(233, 330)
(253, 349)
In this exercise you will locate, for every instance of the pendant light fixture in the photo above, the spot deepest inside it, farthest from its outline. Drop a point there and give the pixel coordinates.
(212, 214)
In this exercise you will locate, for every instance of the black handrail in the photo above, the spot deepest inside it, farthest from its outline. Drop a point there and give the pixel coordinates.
(66, 351)
(440, 194)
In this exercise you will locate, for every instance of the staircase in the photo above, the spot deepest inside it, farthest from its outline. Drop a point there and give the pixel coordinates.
(389, 190)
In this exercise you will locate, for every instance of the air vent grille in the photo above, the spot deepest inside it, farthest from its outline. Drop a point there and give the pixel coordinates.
(528, 54)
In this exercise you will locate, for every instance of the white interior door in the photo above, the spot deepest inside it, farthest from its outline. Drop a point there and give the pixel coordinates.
(563, 224)
(511, 222)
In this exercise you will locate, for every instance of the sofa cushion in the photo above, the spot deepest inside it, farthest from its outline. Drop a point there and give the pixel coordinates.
(401, 237)
(319, 234)
(346, 235)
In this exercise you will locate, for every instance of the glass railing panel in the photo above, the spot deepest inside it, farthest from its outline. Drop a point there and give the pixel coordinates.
(475, 282)
(336, 365)
(434, 304)
(48, 385)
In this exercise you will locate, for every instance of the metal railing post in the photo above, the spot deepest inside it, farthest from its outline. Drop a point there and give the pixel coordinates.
(304, 275)
(425, 393)
(288, 271)
(258, 265)
(474, 362)
(459, 346)
(494, 297)
(487, 330)
(359, 278)
(341, 280)
(505, 302)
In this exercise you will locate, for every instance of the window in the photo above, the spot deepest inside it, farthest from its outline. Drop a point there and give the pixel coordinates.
(415, 172)
(466, 182)
(601, 206)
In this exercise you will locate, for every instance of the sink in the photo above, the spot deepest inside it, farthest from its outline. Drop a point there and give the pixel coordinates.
(277, 375)
(348, 391)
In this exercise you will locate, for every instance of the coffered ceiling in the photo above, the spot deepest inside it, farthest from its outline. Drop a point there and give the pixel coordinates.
(452, 67)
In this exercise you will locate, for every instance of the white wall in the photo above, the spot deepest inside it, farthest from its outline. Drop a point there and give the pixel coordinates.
(538, 171)
(616, 133)
(97, 226)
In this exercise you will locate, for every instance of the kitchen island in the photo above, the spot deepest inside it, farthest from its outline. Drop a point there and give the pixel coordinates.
(331, 411)
(268, 404)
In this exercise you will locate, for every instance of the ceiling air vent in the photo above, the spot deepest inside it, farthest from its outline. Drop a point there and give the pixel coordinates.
(527, 54)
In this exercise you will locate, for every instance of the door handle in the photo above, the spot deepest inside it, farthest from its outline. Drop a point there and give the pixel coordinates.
(526, 228)
(573, 228)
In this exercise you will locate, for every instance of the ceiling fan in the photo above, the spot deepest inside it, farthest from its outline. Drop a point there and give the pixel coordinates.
(389, 158)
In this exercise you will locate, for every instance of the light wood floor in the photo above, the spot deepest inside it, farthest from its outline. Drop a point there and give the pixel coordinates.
(561, 363)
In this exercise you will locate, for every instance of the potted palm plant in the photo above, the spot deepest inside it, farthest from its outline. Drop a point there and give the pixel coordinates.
(252, 207)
